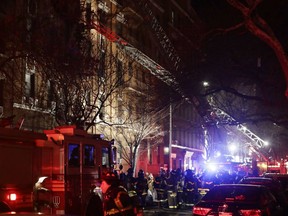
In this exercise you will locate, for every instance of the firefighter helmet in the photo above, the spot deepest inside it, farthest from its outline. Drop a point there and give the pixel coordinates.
(110, 178)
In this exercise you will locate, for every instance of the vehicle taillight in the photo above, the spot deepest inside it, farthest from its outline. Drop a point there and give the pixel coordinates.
(251, 212)
(12, 197)
(201, 211)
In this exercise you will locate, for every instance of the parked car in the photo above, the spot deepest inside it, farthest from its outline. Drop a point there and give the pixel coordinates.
(238, 200)
(282, 178)
(273, 184)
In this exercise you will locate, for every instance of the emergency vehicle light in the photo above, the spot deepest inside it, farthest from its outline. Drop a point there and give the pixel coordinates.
(12, 197)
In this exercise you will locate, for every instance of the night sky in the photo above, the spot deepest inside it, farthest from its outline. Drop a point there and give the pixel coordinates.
(240, 57)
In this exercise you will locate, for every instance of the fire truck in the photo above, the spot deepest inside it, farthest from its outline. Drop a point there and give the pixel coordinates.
(67, 161)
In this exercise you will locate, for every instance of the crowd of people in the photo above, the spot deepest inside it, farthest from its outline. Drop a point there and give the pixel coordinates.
(125, 193)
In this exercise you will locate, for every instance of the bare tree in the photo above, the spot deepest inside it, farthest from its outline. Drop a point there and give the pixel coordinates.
(81, 99)
(260, 28)
(244, 79)
(135, 132)
(75, 71)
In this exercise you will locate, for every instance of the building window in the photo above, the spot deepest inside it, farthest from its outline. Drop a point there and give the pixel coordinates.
(73, 155)
(105, 157)
(32, 7)
(101, 71)
(120, 112)
(1, 92)
(172, 18)
(29, 85)
(88, 14)
(51, 92)
(130, 69)
(119, 29)
(120, 71)
(89, 155)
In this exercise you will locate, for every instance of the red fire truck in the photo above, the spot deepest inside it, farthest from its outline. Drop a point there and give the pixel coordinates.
(66, 160)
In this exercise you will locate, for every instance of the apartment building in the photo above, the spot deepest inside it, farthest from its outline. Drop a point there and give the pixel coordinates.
(105, 66)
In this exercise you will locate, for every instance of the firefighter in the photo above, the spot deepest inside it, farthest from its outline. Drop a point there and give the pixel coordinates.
(121, 174)
(160, 186)
(41, 195)
(141, 187)
(129, 181)
(116, 200)
(171, 189)
(180, 184)
(190, 187)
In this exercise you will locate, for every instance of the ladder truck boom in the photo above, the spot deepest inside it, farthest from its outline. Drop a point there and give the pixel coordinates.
(164, 40)
(166, 76)
(154, 68)
(258, 143)
(172, 55)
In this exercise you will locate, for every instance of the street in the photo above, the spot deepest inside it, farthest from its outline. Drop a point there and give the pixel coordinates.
(167, 212)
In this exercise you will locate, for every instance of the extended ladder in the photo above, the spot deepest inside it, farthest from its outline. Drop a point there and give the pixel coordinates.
(167, 77)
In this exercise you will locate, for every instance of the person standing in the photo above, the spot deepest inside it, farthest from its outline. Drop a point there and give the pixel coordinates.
(115, 199)
(141, 187)
(95, 205)
(41, 195)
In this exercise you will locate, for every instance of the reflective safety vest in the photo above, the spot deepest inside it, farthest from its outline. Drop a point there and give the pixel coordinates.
(117, 202)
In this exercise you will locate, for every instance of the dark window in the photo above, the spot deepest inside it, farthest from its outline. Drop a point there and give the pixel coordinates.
(73, 155)
(120, 2)
(101, 71)
(32, 7)
(120, 71)
(1, 92)
(130, 69)
(51, 91)
(119, 29)
(89, 155)
(88, 13)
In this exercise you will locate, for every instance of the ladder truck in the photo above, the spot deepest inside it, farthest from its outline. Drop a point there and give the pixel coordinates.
(52, 172)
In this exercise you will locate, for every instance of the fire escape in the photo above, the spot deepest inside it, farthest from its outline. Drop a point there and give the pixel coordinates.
(212, 114)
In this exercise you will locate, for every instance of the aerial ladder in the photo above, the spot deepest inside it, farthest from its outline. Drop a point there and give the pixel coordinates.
(213, 113)
(257, 144)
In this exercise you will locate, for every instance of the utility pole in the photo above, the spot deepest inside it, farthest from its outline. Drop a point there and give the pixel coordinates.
(170, 137)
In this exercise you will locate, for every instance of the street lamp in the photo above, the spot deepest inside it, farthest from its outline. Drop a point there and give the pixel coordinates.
(205, 83)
